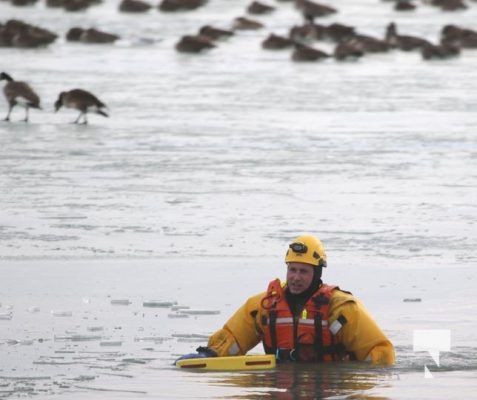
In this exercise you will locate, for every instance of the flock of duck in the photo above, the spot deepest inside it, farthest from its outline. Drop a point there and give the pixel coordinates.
(348, 43)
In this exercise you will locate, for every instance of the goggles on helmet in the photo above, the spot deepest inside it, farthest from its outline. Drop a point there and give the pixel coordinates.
(298, 247)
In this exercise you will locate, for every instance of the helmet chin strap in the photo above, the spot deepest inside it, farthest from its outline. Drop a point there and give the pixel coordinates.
(316, 282)
(317, 273)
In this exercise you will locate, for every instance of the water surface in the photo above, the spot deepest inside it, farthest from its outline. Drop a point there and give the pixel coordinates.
(206, 168)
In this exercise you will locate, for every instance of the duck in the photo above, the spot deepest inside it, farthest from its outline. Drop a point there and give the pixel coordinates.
(83, 101)
(194, 44)
(403, 42)
(19, 93)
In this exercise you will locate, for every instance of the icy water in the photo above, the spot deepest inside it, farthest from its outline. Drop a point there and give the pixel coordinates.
(209, 164)
(83, 329)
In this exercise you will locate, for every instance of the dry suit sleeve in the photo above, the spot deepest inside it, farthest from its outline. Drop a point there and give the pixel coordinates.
(360, 333)
(239, 334)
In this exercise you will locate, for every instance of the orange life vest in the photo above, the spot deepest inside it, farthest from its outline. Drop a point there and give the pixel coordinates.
(305, 337)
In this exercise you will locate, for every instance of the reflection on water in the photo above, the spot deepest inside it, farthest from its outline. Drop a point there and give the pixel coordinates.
(79, 329)
(352, 380)
(306, 382)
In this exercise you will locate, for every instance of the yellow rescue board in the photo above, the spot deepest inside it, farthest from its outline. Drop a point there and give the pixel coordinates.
(233, 363)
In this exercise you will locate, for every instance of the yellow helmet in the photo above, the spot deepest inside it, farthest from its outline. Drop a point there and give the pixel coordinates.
(306, 249)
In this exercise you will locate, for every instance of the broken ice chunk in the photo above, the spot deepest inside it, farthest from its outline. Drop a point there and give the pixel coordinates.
(158, 304)
(6, 316)
(58, 313)
(120, 302)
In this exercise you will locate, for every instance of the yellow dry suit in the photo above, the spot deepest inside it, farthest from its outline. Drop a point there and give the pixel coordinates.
(352, 329)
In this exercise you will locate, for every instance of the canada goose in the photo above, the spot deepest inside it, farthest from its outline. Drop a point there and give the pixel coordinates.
(346, 51)
(23, 2)
(74, 34)
(194, 44)
(403, 42)
(258, 8)
(17, 33)
(55, 3)
(450, 5)
(308, 31)
(368, 44)
(441, 51)
(134, 6)
(214, 33)
(93, 35)
(276, 42)
(19, 93)
(457, 31)
(83, 101)
(179, 5)
(404, 5)
(338, 32)
(77, 5)
(5, 37)
(458, 36)
(311, 10)
(307, 53)
(242, 23)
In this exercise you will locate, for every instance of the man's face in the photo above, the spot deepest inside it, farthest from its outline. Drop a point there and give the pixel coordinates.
(299, 277)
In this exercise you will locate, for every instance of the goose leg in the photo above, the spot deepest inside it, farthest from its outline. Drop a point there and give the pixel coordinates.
(26, 114)
(77, 119)
(7, 118)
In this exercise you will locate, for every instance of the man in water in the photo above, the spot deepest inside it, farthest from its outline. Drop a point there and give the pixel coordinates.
(303, 319)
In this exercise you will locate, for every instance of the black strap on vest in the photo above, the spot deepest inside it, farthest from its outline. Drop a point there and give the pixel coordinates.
(273, 329)
(319, 348)
(318, 338)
